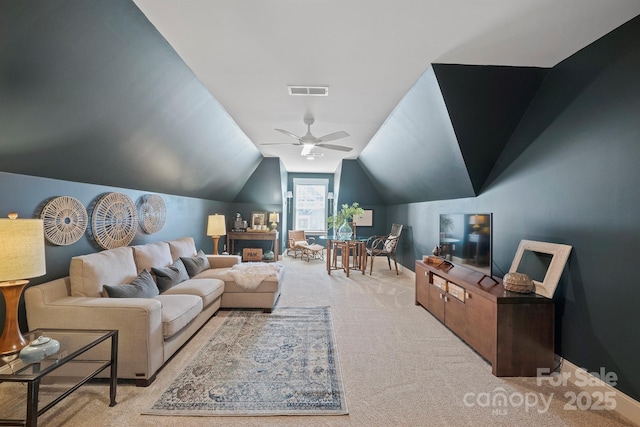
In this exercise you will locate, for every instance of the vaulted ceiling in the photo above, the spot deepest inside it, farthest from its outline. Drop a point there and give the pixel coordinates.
(178, 96)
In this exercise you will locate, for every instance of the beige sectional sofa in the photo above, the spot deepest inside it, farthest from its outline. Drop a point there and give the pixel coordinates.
(150, 329)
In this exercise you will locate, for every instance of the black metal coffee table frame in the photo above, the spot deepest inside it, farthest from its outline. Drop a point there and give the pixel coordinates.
(32, 373)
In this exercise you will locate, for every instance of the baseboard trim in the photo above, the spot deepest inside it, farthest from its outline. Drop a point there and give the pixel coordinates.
(625, 405)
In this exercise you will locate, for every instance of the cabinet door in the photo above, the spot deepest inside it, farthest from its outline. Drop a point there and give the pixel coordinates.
(481, 321)
(435, 302)
(454, 316)
(422, 286)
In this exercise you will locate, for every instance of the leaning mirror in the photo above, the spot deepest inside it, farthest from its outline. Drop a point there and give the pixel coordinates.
(543, 262)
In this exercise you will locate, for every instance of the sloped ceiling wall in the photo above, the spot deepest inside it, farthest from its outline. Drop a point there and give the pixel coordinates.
(92, 93)
(444, 137)
(486, 104)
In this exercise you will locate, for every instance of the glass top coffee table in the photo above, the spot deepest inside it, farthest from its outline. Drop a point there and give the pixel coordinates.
(82, 355)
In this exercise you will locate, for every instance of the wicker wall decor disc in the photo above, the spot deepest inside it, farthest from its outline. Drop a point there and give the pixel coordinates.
(152, 213)
(114, 221)
(65, 220)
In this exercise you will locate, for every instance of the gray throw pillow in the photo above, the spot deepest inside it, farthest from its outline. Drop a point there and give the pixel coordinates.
(197, 264)
(168, 277)
(142, 286)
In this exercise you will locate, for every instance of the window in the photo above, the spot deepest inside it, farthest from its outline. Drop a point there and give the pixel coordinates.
(310, 205)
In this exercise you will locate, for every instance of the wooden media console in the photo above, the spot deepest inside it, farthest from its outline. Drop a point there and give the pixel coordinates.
(513, 331)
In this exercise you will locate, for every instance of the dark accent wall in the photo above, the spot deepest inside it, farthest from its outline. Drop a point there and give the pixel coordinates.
(485, 104)
(91, 92)
(415, 156)
(355, 186)
(27, 195)
(569, 174)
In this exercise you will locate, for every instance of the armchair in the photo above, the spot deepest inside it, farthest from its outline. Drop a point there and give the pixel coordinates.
(297, 241)
(384, 245)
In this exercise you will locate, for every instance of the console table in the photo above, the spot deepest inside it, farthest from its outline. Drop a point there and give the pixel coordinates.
(513, 331)
(232, 236)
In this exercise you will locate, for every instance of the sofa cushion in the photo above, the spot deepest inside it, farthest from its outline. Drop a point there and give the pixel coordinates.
(196, 264)
(170, 276)
(87, 273)
(230, 283)
(142, 286)
(177, 312)
(182, 247)
(152, 255)
(207, 289)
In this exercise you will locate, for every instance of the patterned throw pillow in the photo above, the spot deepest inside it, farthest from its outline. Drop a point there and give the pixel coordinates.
(197, 264)
(142, 286)
(390, 243)
(170, 276)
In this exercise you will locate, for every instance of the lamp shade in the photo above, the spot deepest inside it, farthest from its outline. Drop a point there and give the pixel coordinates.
(274, 217)
(216, 225)
(21, 249)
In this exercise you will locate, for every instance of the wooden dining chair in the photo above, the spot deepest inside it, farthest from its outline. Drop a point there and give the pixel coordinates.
(385, 245)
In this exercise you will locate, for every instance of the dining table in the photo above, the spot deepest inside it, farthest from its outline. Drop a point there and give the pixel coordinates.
(352, 253)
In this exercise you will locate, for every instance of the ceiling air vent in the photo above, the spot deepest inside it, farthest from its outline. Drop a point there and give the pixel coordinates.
(308, 90)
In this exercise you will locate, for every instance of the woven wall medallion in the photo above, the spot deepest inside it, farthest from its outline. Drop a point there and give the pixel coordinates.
(114, 221)
(152, 213)
(65, 220)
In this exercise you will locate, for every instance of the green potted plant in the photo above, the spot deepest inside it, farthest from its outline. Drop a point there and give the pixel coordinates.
(343, 217)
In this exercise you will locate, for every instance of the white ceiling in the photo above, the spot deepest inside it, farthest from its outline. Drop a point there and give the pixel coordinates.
(369, 53)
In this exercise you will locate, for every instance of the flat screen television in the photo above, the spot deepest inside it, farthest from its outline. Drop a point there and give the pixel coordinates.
(466, 239)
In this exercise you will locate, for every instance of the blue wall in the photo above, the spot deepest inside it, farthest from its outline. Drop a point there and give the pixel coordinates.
(27, 195)
(570, 175)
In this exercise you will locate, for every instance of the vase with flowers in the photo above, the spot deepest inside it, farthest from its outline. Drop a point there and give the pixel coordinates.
(343, 217)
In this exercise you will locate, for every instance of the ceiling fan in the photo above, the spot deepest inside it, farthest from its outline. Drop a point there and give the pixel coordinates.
(309, 141)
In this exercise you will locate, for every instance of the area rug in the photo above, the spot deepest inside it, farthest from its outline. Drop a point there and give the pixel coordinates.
(259, 364)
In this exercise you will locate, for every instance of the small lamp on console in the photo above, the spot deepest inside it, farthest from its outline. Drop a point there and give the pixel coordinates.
(21, 257)
(274, 219)
(477, 222)
(215, 228)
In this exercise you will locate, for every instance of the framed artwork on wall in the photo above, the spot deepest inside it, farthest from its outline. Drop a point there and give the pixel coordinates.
(364, 220)
(258, 219)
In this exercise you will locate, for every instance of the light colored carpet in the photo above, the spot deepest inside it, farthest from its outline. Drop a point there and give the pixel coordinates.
(400, 367)
(259, 364)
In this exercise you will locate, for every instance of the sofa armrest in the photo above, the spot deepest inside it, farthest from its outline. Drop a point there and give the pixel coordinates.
(223, 261)
(138, 320)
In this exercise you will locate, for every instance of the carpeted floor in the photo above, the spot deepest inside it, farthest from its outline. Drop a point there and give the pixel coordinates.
(400, 367)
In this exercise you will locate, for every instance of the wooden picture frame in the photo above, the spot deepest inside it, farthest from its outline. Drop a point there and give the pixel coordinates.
(258, 218)
(559, 255)
(364, 220)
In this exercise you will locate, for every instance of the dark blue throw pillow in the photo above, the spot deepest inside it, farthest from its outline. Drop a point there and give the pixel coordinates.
(142, 286)
(170, 276)
(197, 264)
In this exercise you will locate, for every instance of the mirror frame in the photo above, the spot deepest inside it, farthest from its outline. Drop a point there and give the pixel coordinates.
(560, 255)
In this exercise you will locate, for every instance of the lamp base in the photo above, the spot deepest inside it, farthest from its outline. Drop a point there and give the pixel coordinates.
(274, 226)
(12, 341)
(215, 244)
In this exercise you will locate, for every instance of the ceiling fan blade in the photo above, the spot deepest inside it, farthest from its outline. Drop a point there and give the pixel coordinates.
(289, 134)
(332, 136)
(306, 149)
(335, 147)
(281, 143)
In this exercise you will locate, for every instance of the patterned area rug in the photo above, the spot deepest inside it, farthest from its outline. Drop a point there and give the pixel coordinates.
(282, 363)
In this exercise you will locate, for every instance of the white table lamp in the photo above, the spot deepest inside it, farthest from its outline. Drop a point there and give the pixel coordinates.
(215, 228)
(21, 257)
(274, 219)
